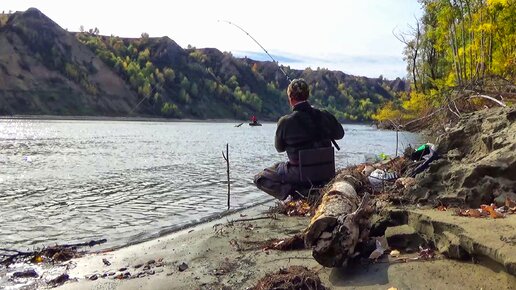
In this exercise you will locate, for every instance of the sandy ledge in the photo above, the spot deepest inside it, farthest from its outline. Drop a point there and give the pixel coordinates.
(228, 254)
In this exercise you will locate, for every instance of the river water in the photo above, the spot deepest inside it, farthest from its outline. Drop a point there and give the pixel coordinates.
(74, 181)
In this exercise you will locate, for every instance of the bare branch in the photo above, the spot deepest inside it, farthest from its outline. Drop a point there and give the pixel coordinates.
(488, 98)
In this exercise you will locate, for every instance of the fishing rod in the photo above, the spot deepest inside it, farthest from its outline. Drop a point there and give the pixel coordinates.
(286, 75)
(237, 26)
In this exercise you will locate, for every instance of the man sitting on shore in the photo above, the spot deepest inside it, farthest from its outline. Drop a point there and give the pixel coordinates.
(305, 128)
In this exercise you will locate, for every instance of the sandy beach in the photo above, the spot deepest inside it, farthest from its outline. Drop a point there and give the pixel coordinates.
(229, 254)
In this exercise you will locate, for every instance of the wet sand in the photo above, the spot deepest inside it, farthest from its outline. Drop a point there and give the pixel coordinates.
(229, 253)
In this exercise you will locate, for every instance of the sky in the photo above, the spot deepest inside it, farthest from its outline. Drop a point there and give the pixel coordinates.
(353, 36)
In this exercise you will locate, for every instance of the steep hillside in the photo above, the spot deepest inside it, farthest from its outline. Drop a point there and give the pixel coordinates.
(47, 70)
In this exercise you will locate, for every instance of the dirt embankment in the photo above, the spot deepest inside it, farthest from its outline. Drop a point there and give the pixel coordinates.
(477, 162)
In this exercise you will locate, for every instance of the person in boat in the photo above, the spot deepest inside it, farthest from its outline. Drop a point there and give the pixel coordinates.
(305, 128)
(254, 120)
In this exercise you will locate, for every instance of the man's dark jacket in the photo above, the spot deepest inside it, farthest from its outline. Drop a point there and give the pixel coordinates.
(306, 128)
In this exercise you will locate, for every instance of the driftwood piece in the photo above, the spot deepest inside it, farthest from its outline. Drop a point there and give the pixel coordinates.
(341, 221)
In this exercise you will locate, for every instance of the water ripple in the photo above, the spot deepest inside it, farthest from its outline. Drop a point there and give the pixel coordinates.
(69, 181)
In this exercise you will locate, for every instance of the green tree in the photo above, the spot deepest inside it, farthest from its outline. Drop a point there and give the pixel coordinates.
(169, 75)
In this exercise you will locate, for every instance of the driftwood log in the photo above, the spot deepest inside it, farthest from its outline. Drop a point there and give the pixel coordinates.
(340, 222)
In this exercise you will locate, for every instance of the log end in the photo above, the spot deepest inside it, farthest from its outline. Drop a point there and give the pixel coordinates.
(317, 227)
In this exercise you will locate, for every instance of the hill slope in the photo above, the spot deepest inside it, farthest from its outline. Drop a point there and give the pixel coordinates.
(47, 70)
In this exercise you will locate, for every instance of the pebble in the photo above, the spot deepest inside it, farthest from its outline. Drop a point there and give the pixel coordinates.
(395, 253)
(59, 279)
(26, 274)
(151, 272)
(183, 267)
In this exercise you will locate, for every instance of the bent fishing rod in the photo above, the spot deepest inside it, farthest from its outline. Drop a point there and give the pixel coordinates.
(275, 61)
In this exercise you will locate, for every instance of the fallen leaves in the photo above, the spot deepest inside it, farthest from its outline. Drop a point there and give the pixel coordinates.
(297, 208)
(491, 209)
(442, 208)
(426, 253)
(486, 211)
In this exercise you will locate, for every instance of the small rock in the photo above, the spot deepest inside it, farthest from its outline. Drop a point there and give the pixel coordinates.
(183, 267)
(127, 275)
(151, 262)
(63, 255)
(104, 275)
(111, 273)
(138, 266)
(146, 267)
(395, 253)
(122, 269)
(151, 272)
(93, 277)
(26, 274)
(59, 280)
(106, 262)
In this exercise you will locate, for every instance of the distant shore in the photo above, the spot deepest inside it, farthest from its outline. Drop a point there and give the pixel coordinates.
(115, 118)
(144, 119)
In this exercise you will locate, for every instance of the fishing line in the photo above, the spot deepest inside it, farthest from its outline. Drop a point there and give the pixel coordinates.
(243, 30)
(274, 60)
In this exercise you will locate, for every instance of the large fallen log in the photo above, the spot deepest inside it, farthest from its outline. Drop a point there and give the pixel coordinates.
(340, 222)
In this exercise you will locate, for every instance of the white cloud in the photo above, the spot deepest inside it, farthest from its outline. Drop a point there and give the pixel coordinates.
(343, 34)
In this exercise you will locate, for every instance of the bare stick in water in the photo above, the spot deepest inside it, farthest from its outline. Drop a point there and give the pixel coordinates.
(397, 131)
(226, 157)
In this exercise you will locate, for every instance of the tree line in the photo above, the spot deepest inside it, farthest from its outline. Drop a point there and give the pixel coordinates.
(456, 50)
(177, 88)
